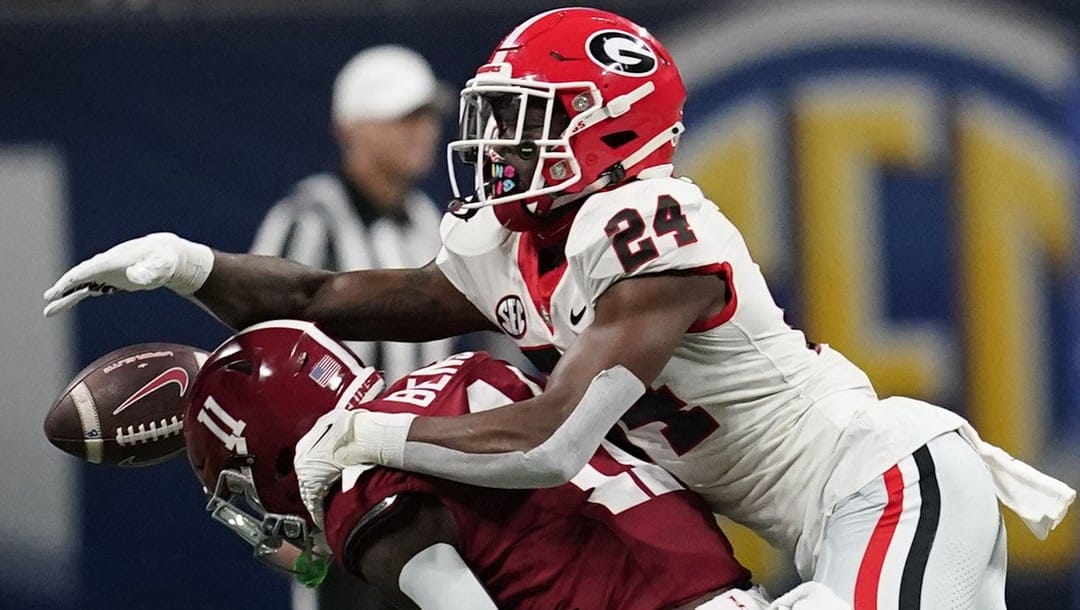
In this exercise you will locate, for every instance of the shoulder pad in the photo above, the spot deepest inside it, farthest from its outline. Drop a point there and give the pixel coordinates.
(660, 225)
(641, 195)
(470, 235)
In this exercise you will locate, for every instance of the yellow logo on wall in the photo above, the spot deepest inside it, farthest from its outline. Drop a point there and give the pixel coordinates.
(904, 175)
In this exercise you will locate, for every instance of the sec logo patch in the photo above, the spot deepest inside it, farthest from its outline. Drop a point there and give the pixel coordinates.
(510, 314)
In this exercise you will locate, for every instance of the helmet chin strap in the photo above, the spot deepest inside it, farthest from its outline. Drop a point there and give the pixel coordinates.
(617, 172)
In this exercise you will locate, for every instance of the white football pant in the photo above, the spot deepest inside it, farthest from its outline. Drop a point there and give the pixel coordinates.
(926, 534)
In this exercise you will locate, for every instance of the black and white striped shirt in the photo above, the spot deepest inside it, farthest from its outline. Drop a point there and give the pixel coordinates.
(325, 222)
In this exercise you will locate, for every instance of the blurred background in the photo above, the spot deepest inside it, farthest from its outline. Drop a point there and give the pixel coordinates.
(904, 172)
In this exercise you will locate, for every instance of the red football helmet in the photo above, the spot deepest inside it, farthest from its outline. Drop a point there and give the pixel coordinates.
(609, 80)
(252, 400)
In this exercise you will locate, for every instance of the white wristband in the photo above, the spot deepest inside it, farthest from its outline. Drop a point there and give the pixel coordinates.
(378, 438)
(196, 262)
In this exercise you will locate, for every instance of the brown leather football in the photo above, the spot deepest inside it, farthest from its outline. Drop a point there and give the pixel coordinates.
(127, 407)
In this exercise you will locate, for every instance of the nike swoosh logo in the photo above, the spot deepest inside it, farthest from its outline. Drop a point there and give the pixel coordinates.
(575, 316)
(322, 436)
(175, 375)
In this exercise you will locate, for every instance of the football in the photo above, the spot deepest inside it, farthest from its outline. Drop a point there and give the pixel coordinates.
(127, 407)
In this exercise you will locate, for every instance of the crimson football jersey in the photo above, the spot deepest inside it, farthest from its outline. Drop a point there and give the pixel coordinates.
(621, 534)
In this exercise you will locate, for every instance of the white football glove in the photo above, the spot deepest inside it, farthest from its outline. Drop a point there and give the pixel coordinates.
(144, 263)
(810, 596)
(316, 468)
(343, 439)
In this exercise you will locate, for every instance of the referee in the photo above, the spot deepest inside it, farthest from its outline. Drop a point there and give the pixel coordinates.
(368, 214)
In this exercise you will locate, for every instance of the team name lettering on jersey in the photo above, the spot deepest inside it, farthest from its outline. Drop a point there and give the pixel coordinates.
(423, 386)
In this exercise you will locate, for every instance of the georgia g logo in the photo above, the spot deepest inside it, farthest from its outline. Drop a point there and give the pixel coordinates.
(510, 312)
(621, 53)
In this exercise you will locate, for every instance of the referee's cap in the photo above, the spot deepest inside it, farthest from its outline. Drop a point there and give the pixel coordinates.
(385, 83)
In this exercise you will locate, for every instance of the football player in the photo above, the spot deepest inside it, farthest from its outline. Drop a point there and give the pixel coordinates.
(573, 236)
(621, 534)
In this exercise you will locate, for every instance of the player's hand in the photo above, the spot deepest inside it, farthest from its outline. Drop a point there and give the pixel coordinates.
(810, 596)
(145, 263)
(314, 461)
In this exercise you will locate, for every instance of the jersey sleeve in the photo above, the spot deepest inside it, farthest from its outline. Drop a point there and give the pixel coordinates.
(455, 270)
(660, 225)
(466, 238)
(378, 494)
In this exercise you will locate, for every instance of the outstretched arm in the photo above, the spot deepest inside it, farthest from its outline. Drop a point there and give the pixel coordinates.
(638, 325)
(395, 304)
(241, 289)
(538, 442)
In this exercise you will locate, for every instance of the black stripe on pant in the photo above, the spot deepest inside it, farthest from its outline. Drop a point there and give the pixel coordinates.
(929, 514)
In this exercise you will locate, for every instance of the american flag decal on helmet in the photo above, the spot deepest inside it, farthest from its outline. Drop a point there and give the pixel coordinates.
(326, 372)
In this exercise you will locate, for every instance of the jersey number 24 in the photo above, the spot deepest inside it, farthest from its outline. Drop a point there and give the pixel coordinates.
(627, 232)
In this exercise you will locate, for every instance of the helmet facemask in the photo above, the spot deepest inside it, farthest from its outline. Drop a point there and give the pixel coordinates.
(506, 124)
(503, 117)
(284, 542)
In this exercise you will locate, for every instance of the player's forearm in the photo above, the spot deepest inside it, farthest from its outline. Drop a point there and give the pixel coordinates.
(394, 305)
(243, 289)
(398, 304)
(520, 428)
(497, 448)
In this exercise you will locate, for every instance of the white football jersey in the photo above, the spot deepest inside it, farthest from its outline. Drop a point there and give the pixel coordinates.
(770, 431)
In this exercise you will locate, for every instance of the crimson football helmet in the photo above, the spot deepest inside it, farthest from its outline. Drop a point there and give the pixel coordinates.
(612, 84)
(252, 400)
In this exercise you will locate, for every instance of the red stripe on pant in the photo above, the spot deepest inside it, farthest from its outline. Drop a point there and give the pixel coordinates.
(866, 584)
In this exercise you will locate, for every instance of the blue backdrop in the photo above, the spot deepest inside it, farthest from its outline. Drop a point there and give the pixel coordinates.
(196, 126)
